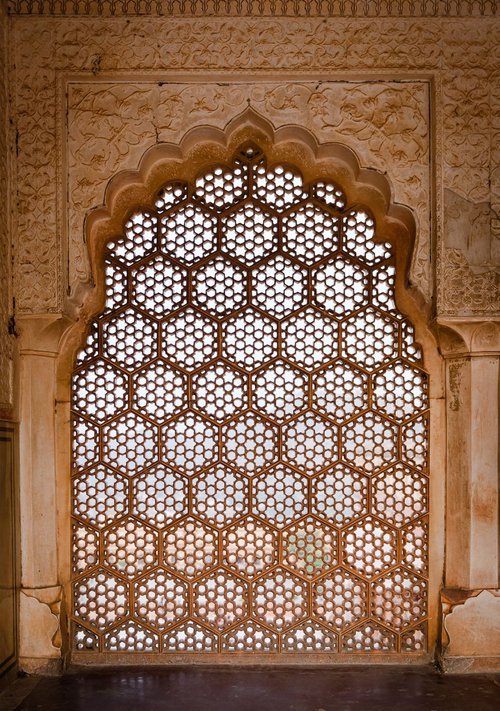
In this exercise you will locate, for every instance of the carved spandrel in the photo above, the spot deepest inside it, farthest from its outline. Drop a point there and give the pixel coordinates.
(386, 124)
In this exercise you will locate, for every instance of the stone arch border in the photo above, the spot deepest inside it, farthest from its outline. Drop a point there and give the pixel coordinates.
(131, 190)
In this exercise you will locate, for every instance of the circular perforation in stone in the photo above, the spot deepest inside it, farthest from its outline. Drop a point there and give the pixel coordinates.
(249, 234)
(250, 547)
(158, 287)
(310, 233)
(359, 231)
(279, 287)
(309, 338)
(188, 234)
(219, 287)
(279, 599)
(160, 599)
(139, 239)
(249, 339)
(280, 390)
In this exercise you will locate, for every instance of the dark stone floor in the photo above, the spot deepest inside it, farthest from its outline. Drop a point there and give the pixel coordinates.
(339, 689)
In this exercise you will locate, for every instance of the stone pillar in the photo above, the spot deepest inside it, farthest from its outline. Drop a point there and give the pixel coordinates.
(41, 592)
(471, 594)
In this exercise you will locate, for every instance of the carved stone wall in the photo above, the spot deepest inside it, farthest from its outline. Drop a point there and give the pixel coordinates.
(6, 400)
(93, 93)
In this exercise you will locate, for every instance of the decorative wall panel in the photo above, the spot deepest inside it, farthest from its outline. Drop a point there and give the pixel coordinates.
(104, 94)
(250, 429)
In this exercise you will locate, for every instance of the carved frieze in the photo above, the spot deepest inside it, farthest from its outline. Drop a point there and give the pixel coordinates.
(320, 8)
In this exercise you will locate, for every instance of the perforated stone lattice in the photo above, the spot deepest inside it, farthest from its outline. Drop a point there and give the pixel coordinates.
(250, 430)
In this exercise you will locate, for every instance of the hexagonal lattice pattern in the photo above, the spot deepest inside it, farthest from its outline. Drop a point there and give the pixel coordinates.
(116, 286)
(340, 599)
(219, 391)
(280, 391)
(85, 542)
(190, 548)
(250, 429)
(280, 187)
(139, 239)
(399, 599)
(130, 547)
(329, 193)
(129, 339)
(280, 495)
(249, 234)
(249, 637)
(369, 637)
(101, 599)
(310, 338)
(415, 546)
(100, 495)
(158, 287)
(190, 637)
(188, 234)
(369, 546)
(189, 339)
(220, 495)
(131, 637)
(220, 599)
(414, 442)
(371, 339)
(310, 547)
(170, 195)
(160, 599)
(340, 390)
(159, 391)
(85, 443)
(249, 339)
(399, 494)
(219, 287)
(279, 287)
(310, 233)
(309, 637)
(359, 231)
(369, 442)
(222, 186)
(341, 287)
(249, 547)
(159, 496)
(340, 494)
(190, 442)
(100, 391)
(130, 443)
(400, 391)
(279, 599)
(310, 442)
(250, 443)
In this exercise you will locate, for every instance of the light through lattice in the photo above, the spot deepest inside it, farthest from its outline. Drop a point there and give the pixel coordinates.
(250, 430)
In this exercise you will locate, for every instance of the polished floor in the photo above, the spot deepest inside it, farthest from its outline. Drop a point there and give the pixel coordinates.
(340, 689)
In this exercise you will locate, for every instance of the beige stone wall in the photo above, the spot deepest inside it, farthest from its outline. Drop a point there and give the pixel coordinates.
(411, 87)
(6, 366)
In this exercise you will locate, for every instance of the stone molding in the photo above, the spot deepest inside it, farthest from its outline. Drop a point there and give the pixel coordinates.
(258, 8)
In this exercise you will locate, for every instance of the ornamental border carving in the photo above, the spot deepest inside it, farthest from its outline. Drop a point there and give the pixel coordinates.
(258, 8)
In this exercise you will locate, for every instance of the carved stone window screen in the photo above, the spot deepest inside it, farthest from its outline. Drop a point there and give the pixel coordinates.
(250, 430)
